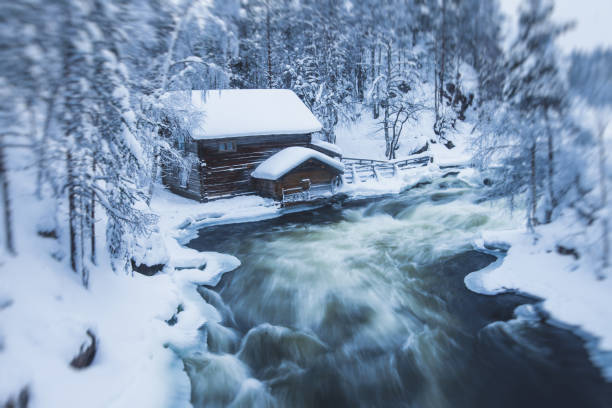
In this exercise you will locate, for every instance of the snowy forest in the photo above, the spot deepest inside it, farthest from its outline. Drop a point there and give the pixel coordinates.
(86, 129)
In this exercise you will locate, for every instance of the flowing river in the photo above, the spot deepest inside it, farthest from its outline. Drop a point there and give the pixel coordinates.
(365, 306)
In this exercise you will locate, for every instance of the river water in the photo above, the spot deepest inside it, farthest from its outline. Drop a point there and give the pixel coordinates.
(365, 306)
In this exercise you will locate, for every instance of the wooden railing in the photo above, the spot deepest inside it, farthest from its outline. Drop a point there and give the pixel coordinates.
(299, 194)
(369, 168)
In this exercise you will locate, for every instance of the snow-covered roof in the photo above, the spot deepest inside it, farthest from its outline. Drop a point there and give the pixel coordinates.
(287, 159)
(327, 146)
(245, 112)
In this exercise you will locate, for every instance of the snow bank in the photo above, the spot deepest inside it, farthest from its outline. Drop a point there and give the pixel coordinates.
(183, 216)
(571, 291)
(244, 112)
(46, 322)
(45, 313)
(287, 159)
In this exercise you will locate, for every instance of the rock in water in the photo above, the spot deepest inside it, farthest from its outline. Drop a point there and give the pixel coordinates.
(220, 339)
(214, 299)
(252, 394)
(267, 345)
(216, 380)
(343, 318)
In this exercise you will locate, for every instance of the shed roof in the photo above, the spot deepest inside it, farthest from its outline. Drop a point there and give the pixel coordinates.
(330, 147)
(245, 112)
(279, 164)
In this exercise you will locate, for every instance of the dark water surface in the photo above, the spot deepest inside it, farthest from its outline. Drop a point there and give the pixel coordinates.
(365, 306)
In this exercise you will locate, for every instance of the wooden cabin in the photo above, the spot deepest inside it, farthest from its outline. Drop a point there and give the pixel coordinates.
(229, 133)
(297, 174)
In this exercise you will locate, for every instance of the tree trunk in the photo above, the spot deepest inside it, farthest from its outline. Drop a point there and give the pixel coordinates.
(372, 64)
(72, 212)
(441, 73)
(388, 149)
(268, 44)
(361, 75)
(551, 171)
(84, 270)
(172, 45)
(45, 136)
(436, 101)
(534, 200)
(442, 70)
(604, 201)
(375, 111)
(92, 218)
(9, 243)
(154, 167)
(38, 149)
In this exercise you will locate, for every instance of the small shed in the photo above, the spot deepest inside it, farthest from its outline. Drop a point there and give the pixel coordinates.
(298, 174)
(228, 133)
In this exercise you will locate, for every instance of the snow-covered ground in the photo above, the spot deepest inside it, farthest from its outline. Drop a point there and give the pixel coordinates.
(364, 139)
(568, 285)
(45, 313)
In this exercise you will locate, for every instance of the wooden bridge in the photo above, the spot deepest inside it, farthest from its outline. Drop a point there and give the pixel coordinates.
(366, 169)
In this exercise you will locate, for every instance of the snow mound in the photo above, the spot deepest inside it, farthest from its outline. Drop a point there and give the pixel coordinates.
(287, 159)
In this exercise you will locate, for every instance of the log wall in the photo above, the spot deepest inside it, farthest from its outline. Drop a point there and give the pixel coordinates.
(228, 174)
(171, 177)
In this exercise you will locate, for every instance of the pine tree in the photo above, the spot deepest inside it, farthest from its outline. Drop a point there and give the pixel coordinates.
(533, 97)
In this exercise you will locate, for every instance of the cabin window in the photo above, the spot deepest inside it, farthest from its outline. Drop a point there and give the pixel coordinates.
(227, 147)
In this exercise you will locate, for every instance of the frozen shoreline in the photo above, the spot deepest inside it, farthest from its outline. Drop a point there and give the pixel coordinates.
(45, 313)
(570, 291)
(184, 215)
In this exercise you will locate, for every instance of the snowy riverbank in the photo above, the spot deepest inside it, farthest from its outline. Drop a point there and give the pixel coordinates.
(184, 216)
(568, 285)
(45, 312)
